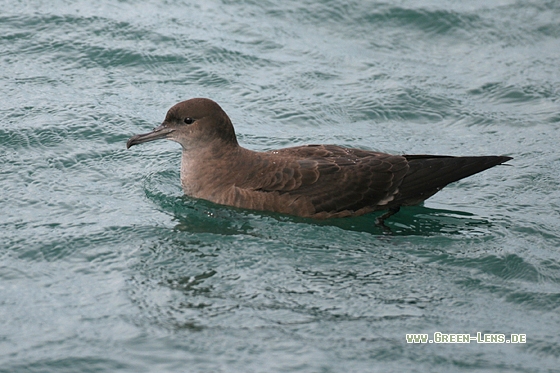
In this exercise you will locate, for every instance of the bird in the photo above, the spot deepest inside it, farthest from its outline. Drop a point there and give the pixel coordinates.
(309, 181)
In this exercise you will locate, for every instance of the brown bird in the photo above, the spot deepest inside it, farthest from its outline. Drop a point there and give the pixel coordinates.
(315, 181)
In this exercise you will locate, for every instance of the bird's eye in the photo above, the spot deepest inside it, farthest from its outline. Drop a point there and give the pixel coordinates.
(188, 121)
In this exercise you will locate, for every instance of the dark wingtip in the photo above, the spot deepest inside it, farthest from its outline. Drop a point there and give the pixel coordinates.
(504, 159)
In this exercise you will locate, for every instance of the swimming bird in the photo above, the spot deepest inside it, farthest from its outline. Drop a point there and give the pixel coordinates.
(312, 181)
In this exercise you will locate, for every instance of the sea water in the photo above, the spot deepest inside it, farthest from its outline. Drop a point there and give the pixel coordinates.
(106, 267)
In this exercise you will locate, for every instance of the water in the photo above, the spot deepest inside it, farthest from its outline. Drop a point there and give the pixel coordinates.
(106, 267)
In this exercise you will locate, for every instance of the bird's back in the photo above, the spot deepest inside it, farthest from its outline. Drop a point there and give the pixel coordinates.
(338, 181)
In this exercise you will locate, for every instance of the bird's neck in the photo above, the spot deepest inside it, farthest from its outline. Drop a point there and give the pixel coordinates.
(206, 170)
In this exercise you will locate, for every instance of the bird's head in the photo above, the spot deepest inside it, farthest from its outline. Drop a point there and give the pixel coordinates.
(198, 122)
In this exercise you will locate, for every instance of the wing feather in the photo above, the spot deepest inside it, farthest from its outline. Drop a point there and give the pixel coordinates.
(336, 179)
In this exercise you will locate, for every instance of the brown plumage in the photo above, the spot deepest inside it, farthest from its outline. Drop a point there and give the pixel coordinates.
(317, 181)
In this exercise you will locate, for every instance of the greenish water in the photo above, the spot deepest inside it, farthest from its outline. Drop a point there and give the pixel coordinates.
(106, 267)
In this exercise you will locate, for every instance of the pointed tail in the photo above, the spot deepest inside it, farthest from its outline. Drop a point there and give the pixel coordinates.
(428, 174)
